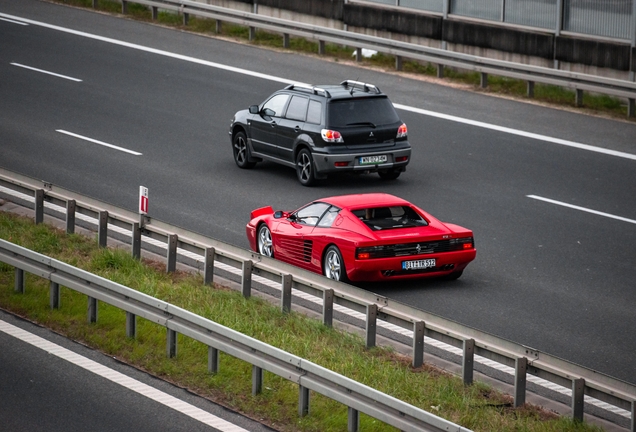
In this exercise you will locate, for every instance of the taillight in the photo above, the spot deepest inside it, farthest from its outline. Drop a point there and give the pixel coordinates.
(331, 136)
(402, 131)
(401, 158)
(363, 255)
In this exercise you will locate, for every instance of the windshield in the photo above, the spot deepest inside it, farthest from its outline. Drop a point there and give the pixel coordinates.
(362, 112)
(381, 218)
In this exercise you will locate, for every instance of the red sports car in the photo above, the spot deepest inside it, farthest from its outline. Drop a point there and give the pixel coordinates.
(363, 237)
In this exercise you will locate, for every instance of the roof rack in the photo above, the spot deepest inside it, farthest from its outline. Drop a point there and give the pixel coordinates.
(365, 87)
(308, 88)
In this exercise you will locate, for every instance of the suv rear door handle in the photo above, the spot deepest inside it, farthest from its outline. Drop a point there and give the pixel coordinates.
(297, 129)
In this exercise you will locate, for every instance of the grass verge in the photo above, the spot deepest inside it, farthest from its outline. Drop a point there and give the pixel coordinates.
(543, 93)
(477, 407)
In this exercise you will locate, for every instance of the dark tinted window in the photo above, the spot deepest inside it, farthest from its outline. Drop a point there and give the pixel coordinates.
(361, 112)
(379, 218)
(314, 113)
(297, 108)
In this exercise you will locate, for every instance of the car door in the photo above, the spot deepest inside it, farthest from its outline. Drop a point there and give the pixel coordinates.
(264, 125)
(291, 126)
(293, 243)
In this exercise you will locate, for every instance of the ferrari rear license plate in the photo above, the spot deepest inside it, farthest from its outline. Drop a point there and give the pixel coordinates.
(365, 160)
(418, 264)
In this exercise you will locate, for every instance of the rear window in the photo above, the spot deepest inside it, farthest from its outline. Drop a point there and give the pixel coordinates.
(361, 112)
(382, 218)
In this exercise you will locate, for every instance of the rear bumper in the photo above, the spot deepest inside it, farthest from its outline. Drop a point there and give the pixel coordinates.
(384, 269)
(326, 163)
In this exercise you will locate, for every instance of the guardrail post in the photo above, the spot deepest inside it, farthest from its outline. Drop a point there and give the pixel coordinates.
(102, 233)
(252, 33)
(372, 318)
(285, 40)
(578, 395)
(440, 71)
(39, 206)
(131, 325)
(19, 280)
(257, 380)
(124, 7)
(468, 361)
(219, 26)
(186, 18)
(154, 10)
(321, 47)
(246, 279)
(530, 89)
(521, 368)
(398, 63)
(208, 271)
(71, 207)
(353, 420)
(54, 295)
(136, 240)
(358, 54)
(172, 253)
(578, 100)
(483, 80)
(92, 310)
(631, 107)
(327, 307)
(94, 4)
(303, 401)
(286, 293)
(418, 344)
(213, 360)
(633, 423)
(171, 343)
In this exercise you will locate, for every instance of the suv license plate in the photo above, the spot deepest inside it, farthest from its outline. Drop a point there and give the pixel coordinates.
(373, 159)
(418, 264)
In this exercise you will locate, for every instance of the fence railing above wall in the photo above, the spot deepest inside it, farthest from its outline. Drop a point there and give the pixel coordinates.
(442, 58)
(580, 380)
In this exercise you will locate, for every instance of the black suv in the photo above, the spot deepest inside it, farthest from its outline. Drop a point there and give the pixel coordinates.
(320, 130)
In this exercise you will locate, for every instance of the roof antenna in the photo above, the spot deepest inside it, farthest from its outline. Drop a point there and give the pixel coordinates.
(351, 91)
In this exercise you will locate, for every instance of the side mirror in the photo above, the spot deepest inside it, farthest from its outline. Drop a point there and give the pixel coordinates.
(279, 214)
(253, 109)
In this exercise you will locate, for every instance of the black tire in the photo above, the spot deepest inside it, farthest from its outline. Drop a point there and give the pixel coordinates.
(454, 275)
(389, 175)
(241, 151)
(264, 242)
(305, 168)
(333, 265)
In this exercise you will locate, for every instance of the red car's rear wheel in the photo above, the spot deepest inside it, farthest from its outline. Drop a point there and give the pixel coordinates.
(333, 265)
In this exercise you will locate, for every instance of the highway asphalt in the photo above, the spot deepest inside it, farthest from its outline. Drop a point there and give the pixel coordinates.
(549, 193)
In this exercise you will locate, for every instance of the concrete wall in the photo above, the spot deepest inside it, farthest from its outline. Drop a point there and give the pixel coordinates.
(478, 37)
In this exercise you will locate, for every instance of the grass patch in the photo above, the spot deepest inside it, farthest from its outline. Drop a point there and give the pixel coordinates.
(477, 407)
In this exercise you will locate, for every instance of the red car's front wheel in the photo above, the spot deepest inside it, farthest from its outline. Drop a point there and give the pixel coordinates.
(264, 241)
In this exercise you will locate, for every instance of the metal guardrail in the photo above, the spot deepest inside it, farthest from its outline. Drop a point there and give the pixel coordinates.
(524, 360)
(309, 376)
(443, 58)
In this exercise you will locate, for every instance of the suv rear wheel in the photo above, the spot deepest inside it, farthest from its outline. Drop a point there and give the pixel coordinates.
(389, 175)
(241, 151)
(305, 168)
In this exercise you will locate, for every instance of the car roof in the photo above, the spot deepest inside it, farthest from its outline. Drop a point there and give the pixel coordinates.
(355, 201)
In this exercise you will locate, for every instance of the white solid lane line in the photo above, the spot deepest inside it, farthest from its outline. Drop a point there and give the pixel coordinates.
(518, 132)
(121, 379)
(288, 81)
(47, 72)
(13, 21)
(583, 209)
(98, 142)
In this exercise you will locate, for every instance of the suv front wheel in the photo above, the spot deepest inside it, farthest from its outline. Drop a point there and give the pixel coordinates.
(241, 151)
(305, 168)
